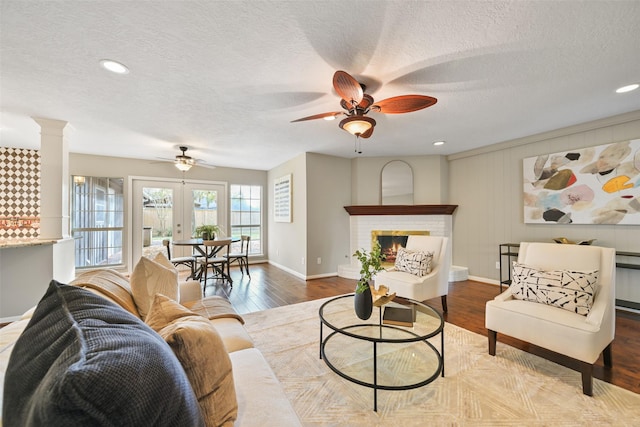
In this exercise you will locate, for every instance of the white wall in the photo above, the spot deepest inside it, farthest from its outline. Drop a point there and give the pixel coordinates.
(288, 242)
(25, 273)
(430, 174)
(329, 191)
(487, 186)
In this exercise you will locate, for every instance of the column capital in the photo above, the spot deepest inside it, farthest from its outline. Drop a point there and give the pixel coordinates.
(53, 126)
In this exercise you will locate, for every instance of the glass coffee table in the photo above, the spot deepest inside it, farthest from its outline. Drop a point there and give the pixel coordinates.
(384, 352)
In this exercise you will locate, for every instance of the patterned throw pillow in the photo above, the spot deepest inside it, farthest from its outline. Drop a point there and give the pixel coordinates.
(570, 290)
(417, 263)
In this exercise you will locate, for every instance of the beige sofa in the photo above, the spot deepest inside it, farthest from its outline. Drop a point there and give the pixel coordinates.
(260, 397)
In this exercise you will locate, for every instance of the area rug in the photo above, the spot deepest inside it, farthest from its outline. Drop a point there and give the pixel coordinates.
(514, 388)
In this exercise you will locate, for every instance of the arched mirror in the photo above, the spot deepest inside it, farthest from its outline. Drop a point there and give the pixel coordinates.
(396, 184)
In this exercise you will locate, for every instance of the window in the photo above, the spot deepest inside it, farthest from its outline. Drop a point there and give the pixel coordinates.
(97, 220)
(246, 214)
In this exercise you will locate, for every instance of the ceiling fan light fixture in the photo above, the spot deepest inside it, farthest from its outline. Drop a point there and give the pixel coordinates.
(184, 162)
(357, 125)
(183, 165)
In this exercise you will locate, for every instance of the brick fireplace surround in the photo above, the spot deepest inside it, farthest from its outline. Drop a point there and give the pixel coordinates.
(437, 219)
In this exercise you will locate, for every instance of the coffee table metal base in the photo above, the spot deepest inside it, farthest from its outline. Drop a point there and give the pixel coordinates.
(377, 334)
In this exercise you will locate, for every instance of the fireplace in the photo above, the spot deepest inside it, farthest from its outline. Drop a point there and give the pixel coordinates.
(366, 219)
(391, 241)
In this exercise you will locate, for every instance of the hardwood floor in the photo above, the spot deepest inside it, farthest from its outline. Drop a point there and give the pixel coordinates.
(271, 287)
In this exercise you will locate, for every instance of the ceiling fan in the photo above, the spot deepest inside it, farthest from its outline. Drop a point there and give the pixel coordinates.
(358, 104)
(183, 162)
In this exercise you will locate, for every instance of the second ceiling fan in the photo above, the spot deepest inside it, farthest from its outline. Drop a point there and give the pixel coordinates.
(358, 104)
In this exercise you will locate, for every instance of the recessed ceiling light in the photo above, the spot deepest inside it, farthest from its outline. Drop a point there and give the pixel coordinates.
(628, 88)
(114, 66)
(437, 143)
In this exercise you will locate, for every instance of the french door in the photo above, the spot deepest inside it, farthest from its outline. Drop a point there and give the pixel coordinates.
(171, 210)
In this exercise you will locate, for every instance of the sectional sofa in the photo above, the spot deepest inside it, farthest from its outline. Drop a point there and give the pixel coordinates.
(84, 356)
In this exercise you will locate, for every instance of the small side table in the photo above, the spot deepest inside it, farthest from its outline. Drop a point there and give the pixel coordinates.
(508, 251)
(628, 264)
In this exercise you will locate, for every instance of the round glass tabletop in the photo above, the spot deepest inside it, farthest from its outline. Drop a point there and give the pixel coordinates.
(395, 349)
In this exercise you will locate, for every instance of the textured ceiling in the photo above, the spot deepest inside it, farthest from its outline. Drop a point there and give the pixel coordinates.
(226, 77)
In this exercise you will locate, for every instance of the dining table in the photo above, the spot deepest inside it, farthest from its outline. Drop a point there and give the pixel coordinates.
(200, 250)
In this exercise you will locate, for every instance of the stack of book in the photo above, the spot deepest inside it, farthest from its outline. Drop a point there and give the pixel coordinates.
(398, 315)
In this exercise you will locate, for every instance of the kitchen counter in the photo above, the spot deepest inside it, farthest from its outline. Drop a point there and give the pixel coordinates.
(19, 243)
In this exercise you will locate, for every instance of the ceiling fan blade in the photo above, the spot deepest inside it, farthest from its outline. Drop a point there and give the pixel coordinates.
(318, 116)
(203, 164)
(347, 87)
(368, 133)
(403, 104)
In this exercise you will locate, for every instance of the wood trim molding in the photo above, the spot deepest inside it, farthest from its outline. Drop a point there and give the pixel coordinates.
(401, 209)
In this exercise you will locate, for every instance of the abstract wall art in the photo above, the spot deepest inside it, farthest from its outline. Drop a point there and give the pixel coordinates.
(595, 185)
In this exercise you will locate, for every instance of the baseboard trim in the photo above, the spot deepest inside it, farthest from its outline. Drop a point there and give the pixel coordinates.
(484, 280)
(288, 270)
(321, 276)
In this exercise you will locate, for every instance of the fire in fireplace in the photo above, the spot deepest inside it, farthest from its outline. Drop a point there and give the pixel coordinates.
(392, 240)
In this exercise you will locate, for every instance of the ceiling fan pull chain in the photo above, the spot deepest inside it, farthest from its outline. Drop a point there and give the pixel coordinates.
(357, 145)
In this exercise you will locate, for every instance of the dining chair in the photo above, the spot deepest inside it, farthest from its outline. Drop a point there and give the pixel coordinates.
(214, 260)
(188, 261)
(242, 257)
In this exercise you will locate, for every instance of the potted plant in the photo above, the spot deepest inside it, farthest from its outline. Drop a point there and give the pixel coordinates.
(370, 264)
(207, 232)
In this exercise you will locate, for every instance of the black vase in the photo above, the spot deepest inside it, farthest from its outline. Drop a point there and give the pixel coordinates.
(363, 304)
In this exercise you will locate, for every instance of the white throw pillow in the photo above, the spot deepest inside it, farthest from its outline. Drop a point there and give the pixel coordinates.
(161, 259)
(570, 290)
(418, 263)
(150, 278)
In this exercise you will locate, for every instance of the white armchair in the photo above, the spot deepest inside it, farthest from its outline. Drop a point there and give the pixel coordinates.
(434, 284)
(581, 337)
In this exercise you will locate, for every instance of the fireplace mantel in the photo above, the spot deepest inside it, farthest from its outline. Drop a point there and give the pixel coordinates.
(401, 209)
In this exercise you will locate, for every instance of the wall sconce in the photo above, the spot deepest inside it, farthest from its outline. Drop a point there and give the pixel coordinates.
(78, 180)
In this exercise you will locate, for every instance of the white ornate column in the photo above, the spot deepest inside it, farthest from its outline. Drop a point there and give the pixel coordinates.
(54, 179)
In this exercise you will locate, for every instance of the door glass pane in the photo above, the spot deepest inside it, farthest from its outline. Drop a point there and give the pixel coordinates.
(157, 219)
(171, 210)
(205, 208)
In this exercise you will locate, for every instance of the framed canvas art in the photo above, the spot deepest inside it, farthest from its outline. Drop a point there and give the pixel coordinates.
(594, 185)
